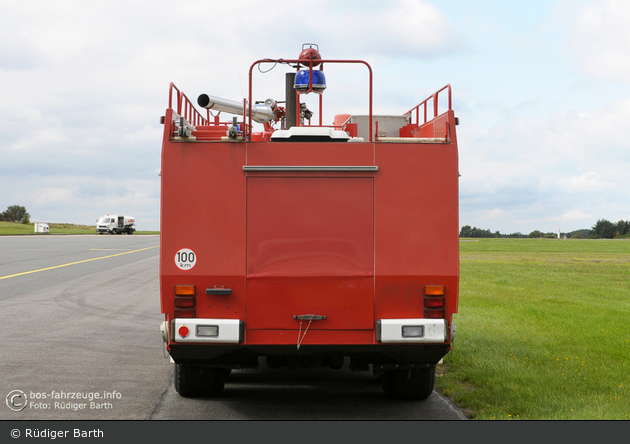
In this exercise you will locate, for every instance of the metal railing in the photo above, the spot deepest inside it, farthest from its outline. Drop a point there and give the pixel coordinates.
(415, 111)
(296, 63)
(185, 108)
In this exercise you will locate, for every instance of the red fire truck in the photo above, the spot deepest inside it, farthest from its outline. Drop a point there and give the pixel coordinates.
(299, 244)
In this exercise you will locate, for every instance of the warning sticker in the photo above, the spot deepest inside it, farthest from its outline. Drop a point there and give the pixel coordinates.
(185, 259)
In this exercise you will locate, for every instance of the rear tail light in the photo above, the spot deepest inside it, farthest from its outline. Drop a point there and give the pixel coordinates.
(433, 314)
(434, 301)
(184, 312)
(185, 301)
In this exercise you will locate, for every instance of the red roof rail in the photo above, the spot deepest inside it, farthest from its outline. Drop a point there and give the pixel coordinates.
(424, 105)
(185, 107)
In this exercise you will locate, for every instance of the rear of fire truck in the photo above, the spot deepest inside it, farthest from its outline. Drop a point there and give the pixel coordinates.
(305, 245)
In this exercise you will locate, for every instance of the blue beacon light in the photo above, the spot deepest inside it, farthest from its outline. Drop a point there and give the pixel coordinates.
(302, 81)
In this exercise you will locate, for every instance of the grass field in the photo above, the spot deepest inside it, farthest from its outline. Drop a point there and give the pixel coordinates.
(14, 228)
(543, 330)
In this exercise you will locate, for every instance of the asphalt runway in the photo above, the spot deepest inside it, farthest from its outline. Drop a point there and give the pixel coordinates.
(80, 326)
(81, 341)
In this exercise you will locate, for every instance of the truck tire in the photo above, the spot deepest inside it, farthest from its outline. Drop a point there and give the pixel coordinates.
(129, 231)
(410, 383)
(198, 380)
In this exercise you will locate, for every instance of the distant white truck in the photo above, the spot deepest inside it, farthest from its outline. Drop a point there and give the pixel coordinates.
(41, 227)
(114, 224)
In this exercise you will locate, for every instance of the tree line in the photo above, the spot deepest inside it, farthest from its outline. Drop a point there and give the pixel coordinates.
(603, 229)
(15, 213)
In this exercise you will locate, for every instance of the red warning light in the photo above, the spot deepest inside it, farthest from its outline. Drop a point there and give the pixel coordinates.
(310, 54)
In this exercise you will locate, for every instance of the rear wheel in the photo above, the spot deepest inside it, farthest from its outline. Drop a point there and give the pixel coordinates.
(410, 383)
(198, 380)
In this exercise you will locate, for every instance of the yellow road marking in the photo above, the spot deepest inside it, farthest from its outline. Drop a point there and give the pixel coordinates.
(75, 263)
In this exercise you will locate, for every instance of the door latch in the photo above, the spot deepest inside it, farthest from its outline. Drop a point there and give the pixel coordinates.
(309, 317)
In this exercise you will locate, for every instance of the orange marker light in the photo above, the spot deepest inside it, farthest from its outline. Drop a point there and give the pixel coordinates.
(434, 290)
(185, 290)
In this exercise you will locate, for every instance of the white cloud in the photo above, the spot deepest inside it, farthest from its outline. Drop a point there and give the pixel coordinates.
(404, 28)
(585, 183)
(599, 39)
(493, 214)
(575, 215)
(527, 172)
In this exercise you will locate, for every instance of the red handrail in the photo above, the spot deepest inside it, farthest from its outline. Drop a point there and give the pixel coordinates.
(189, 112)
(424, 103)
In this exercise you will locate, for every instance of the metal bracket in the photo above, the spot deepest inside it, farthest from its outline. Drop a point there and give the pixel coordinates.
(185, 128)
(233, 130)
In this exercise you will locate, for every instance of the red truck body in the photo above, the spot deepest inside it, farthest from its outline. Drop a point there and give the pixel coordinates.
(309, 250)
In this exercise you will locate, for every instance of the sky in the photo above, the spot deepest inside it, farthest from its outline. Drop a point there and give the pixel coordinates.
(541, 89)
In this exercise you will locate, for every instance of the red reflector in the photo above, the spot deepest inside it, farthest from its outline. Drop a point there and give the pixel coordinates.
(434, 290)
(184, 312)
(434, 314)
(434, 302)
(183, 331)
(185, 290)
(184, 301)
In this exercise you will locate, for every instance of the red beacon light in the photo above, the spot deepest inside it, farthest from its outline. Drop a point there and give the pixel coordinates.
(311, 54)
(310, 80)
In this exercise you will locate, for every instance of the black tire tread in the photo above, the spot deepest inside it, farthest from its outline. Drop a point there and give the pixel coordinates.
(411, 383)
(196, 380)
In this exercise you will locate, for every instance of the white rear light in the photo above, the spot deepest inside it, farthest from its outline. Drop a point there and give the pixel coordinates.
(413, 331)
(211, 331)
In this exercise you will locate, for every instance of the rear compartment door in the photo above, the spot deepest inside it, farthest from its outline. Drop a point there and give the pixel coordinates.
(310, 250)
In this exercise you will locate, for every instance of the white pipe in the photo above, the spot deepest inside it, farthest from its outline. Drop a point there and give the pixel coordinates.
(260, 113)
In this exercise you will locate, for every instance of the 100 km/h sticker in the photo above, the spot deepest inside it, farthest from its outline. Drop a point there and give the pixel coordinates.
(185, 259)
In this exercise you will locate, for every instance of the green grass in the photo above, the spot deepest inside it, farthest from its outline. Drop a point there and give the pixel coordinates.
(16, 228)
(543, 330)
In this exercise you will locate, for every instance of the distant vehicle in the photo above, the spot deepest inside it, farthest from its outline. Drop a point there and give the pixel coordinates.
(41, 227)
(114, 224)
